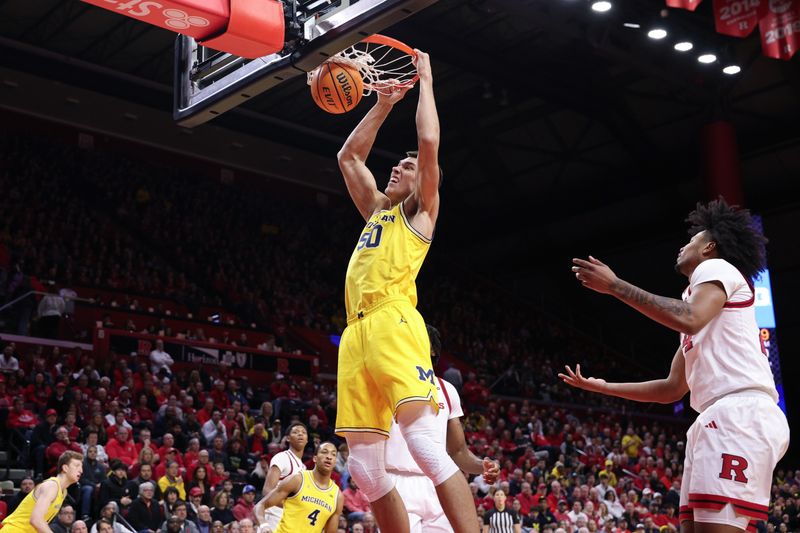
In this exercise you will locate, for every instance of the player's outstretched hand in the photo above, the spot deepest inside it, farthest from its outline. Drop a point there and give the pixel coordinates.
(578, 381)
(392, 95)
(491, 471)
(594, 274)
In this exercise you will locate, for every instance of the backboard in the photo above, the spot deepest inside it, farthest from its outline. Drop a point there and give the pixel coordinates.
(208, 82)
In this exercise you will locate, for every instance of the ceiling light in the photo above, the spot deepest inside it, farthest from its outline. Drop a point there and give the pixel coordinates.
(601, 6)
(657, 34)
(683, 46)
(732, 69)
(707, 58)
(632, 25)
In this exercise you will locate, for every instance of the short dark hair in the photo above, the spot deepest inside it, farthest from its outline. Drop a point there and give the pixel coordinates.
(66, 457)
(415, 155)
(318, 447)
(731, 229)
(294, 425)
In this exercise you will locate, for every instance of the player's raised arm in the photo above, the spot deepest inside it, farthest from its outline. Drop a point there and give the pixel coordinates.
(332, 525)
(427, 189)
(353, 156)
(705, 302)
(667, 390)
(45, 494)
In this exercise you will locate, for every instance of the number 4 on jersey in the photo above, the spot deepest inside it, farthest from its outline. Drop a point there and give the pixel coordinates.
(313, 517)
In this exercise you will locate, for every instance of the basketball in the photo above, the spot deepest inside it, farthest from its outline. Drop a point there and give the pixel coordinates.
(337, 88)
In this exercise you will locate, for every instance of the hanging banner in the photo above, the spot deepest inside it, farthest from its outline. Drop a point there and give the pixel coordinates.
(737, 18)
(691, 5)
(779, 23)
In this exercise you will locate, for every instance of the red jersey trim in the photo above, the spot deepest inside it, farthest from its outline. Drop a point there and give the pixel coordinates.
(746, 303)
(446, 396)
(715, 502)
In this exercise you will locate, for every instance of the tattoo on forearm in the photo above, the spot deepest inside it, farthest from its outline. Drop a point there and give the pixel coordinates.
(635, 295)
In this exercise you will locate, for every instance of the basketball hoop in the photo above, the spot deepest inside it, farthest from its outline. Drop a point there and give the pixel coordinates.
(383, 62)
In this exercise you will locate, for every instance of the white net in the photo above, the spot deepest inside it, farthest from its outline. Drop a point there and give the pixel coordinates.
(382, 66)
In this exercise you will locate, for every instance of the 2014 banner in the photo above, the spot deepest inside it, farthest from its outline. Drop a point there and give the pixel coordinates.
(737, 18)
(779, 23)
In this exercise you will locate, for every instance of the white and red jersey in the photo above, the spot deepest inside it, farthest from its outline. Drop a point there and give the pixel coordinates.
(398, 458)
(726, 356)
(288, 463)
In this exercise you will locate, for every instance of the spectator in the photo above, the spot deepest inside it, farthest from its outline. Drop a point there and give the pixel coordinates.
(180, 513)
(94, 473)
(245, 506)
(60, 445)
(51, 307)
(42, 437)
(194, 503)
(220, 511)
(214, 428)
(453, 375)
(25, 487)
(8, 363)
(172, 479)
(108, 515)
(64, 520)
(79, 526)
(204, 522)
(115, 487)
(160, 360)
(145, 476)
(355, 501)
(145, 513)
(577, 513)
(122, 448)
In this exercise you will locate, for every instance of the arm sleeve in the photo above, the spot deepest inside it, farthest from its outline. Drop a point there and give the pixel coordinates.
(515, 517)
(719, 270)
(486, 516)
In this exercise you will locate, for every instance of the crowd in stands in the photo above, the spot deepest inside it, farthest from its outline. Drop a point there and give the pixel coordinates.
(158, 446)
(203, 440)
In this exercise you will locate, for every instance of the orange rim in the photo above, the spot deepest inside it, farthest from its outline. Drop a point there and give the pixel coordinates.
(394, 43)
(388, 41)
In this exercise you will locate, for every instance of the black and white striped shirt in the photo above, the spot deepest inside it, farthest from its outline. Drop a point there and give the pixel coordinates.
(501, 521)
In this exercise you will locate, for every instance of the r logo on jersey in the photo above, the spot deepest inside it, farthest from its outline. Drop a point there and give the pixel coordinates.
(425, 375)
(733, 467)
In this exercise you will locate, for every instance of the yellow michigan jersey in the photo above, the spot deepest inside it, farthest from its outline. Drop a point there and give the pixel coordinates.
(308, 510)
(20, 520)
(384, 353)
(385, 263)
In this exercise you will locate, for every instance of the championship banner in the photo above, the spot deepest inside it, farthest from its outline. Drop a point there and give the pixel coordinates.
(690, 5)
(779, 23)
(737, 18)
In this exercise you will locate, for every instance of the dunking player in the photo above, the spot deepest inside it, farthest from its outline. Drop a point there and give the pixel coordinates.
(283, 465)
(311, 501)
(384, 355)
(740, 434)
(42, 504)
(416, 490)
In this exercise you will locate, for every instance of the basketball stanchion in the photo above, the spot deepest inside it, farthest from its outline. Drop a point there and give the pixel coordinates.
(245, 28)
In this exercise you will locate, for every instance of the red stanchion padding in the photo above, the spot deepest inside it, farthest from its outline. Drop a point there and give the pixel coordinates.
(255, 29)
(196, 18)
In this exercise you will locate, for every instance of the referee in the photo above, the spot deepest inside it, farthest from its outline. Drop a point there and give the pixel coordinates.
(500, 519)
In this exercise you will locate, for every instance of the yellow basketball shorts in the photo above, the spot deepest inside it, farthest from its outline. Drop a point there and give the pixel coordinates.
(384, 362)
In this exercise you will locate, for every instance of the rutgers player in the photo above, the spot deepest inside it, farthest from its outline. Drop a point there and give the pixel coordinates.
(415, 488)
(740, 434)
(282, 465)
